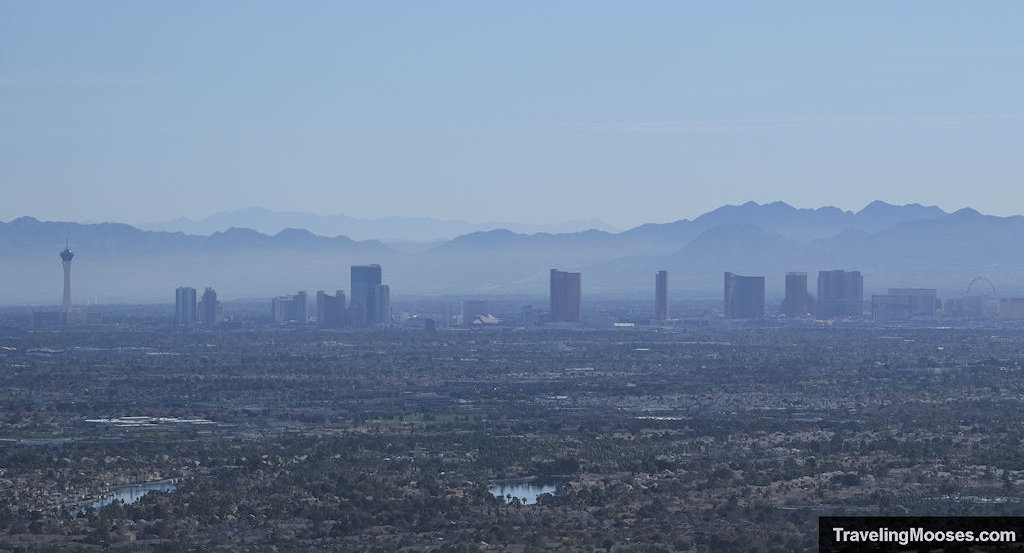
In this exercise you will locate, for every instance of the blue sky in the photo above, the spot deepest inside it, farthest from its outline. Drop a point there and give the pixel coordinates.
(630, 112)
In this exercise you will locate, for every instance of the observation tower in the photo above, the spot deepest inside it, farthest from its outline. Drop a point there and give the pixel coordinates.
(66, 255)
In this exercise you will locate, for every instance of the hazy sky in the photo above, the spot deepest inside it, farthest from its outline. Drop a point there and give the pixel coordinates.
(546, 111)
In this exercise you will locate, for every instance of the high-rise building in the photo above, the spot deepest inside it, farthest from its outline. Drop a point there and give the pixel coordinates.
(795, 303)
(924, 302)
(301, 307)
(362, 303)
(446, 315)
(185, 306)
(904, 304)
(744, 296)
(840, 294)
(66, 256)
(330, 310)
(969, 306)
(209, 308)
(291, 308)
(661, 296)
(281, 308)
(566, 296)
(1011, 309)
(382, 305)
(370, 303)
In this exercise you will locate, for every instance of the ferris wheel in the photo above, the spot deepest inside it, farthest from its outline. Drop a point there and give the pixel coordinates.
(982, 280)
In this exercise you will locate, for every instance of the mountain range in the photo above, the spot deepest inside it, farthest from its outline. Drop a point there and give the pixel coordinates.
(388, 229)
(892, 245)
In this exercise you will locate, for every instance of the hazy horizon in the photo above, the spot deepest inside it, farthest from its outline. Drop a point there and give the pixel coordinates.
(194, 218)
(120, 263)
(532, 112)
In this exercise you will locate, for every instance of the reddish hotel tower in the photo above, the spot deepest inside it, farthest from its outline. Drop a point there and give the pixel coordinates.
(566, 296)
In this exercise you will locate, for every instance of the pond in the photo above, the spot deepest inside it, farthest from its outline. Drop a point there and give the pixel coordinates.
(131, 494)
(527, 492)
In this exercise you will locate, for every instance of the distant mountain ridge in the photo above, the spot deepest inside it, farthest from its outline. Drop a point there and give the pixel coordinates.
(797, 224)
(893, 246)
(27, 235)
(388, 229)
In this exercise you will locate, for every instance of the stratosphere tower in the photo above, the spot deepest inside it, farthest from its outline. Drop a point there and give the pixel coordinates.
(67, 255)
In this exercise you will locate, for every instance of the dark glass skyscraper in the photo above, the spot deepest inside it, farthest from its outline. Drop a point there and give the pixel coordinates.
(363, 303)
(795, 304)
(566, 296)
(744, 296)
(840, 294)
(661, 296)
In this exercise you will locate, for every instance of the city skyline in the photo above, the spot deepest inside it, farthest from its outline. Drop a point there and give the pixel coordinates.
(666, 109)
(916, 244)
(840, 295)
(280, 157)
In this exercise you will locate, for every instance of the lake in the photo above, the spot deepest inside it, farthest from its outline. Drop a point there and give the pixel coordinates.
(527, 490)
(131, 494)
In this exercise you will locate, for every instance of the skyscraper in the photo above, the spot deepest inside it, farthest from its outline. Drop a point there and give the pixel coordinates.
(291, 308)
(66, 256)
(363, 303)
(744, 296)
(566, 296)
(301, 307)
(185, 305)
(209, 307)
(382, 305)
(840, 294)
(661, 296)
(446, 315)
(330, 310)
(904, 304)
(795, 304)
